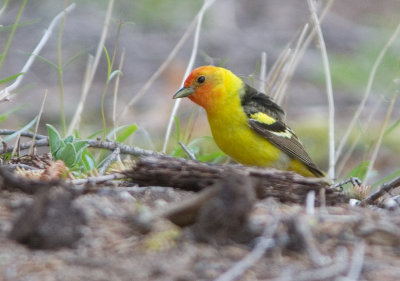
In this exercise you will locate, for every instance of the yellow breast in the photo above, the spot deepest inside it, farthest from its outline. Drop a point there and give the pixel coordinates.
(233, 135)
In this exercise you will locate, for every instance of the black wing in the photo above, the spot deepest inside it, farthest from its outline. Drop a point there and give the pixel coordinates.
(255, 103)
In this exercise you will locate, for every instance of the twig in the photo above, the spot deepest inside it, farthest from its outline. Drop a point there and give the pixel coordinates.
(302, 228)
(124, 149)
(6, 91)
(367, 91)
(380, 137)
(38, 120)
(329, 92)
(114, 155)
(99, 179)
(93, 67)
(265, 242)
(384, 188)
(187, 150)
(327, 272)
(206, 5)
(7, 132)
(26, 145)
(357, 261)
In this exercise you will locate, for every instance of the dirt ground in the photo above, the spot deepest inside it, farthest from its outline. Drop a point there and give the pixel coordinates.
(111, 232)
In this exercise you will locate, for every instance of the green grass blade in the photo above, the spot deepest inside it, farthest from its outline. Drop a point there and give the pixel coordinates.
(10, 78)
(359, 171)
(108, 62)
(127, 133)
(391, 128)
(23, 129)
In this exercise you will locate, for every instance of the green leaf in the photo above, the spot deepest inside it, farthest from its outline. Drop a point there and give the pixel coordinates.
(69, 139)
(10, 78)
(68, 155)
(23, 129)
(79, 148)
(216, 157)
(359, 171)
(88, 160)
(113, 74)
(47, 61)
(108, 62)
(127, 132)
(391, 128)
(80, 145)
(55, 140)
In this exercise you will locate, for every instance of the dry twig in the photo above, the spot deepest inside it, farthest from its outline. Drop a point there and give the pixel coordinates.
(384, 188)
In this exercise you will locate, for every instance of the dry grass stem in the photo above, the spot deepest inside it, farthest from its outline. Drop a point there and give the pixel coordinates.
(38, 120)
(79, 109)
(379, 140)
(4, 94)
(206, 5)
(276, 71)
(329, 92)
(280, 93)
(367, 91)
(162, 67)
(93, 67)
(263, 72)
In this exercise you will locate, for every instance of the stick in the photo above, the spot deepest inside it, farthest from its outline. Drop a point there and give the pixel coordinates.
(384, 188)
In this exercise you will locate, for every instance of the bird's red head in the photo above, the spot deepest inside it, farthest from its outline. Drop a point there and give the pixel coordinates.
(203, 86)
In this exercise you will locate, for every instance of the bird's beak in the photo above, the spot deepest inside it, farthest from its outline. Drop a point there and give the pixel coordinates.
(183, 93)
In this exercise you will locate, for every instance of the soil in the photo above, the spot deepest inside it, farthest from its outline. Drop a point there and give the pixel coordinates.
(111, 232)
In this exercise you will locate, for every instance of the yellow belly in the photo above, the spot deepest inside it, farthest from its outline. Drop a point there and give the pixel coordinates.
(240, 142)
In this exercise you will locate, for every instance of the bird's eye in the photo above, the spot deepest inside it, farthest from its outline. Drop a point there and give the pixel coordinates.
(201, 79)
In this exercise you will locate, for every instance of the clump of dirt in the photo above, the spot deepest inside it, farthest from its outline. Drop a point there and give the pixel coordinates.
(51, 221)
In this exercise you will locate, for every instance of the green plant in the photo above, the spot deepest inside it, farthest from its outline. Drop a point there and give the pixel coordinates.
(68, 150)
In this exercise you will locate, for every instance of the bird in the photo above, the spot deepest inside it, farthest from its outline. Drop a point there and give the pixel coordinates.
(246, 124)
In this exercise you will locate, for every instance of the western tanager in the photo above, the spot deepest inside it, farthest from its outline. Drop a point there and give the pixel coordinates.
(246, 124)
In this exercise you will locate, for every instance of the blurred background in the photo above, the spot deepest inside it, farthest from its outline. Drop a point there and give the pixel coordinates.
(233, 34)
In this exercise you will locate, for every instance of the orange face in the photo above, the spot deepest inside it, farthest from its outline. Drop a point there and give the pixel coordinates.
(201, 86)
